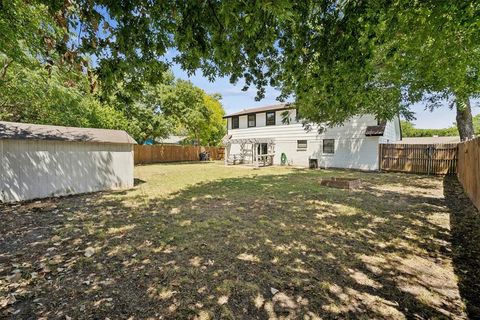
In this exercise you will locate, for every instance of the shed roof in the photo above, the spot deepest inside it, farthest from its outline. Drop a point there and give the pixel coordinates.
(28, 131)
(279, 106)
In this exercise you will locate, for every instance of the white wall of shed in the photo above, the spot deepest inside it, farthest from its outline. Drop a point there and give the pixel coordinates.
(32, 169)
(352, 148)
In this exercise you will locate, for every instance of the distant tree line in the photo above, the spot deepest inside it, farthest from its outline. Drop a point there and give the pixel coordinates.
(409, 130)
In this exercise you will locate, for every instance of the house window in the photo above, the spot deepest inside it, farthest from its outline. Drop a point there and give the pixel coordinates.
(270, 118)
(262, 148)
(302, 145)
(252, 120)
(329, 146)
(235, 122)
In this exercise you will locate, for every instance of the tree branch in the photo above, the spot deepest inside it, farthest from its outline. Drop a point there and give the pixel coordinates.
(6, 63)
(212, 8)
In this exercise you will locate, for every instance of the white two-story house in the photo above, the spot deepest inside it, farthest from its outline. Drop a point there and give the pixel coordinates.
(274, 135)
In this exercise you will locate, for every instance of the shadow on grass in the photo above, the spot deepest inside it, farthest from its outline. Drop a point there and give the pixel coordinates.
(261, 247)
(465, 224)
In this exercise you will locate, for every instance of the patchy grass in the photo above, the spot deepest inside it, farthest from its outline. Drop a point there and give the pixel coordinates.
(205, 241)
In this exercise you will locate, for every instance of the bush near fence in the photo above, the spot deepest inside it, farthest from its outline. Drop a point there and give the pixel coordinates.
(469, 169)
(173, 153)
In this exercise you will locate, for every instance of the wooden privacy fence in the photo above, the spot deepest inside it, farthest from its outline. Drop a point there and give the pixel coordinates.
(173, 153)
(469, 169)
(418, 158)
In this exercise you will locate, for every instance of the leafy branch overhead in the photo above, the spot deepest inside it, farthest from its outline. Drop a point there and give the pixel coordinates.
(335, 58)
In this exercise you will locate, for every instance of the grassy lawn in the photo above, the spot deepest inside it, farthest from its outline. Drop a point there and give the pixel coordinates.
(206, 241)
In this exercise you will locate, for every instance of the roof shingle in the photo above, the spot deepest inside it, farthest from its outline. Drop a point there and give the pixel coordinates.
(21, 131)
(279, 106)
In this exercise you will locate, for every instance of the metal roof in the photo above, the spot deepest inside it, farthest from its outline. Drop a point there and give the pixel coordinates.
(28, 131)
(280, 106)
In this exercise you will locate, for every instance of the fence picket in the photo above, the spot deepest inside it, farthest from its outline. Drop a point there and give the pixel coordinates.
(468, 168)
(172, 153)
(418, 158)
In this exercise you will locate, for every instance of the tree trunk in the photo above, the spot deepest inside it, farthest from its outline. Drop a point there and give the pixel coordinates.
(464, 118)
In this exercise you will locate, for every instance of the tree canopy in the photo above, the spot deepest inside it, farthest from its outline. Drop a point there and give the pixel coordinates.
(335, 58)
(45, 78)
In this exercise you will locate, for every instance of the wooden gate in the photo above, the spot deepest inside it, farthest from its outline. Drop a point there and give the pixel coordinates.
(419, 158)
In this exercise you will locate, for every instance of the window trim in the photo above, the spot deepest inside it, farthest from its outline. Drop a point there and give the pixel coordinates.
(254, 120)
(303, 142)
(274, 118)
(323, 146)
(238, 122)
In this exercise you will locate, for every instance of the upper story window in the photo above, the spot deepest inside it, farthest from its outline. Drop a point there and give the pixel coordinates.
(252, 120)
(270, 118)
(235, 122)
(329, 146)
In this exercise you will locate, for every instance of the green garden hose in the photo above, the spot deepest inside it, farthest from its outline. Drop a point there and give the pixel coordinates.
(283, 159)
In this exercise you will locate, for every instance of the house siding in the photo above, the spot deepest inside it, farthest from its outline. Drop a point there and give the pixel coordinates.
(392, 132)
(261, 119)
(352, 148)
(33, 169)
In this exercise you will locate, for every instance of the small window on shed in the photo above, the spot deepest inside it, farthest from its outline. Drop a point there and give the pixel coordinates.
(235, 122)
(301, 145)
(270, 118)
(329, 146)
(252, 120)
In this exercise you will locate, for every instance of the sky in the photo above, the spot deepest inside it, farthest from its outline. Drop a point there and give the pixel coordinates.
(234, 99)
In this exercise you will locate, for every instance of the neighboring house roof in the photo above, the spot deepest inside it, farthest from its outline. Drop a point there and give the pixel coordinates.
(171, 139)
(280, 106)
(375, 130)
(430, 140)
(28, 131)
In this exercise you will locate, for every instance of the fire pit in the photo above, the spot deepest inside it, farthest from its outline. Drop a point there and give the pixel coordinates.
(341, 183)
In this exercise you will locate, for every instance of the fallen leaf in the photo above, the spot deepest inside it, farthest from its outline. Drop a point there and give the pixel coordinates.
(222, 300)
(8, 300)
(89, 252)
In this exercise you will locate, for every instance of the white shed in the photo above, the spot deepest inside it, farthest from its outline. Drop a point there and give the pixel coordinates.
(38, 161)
